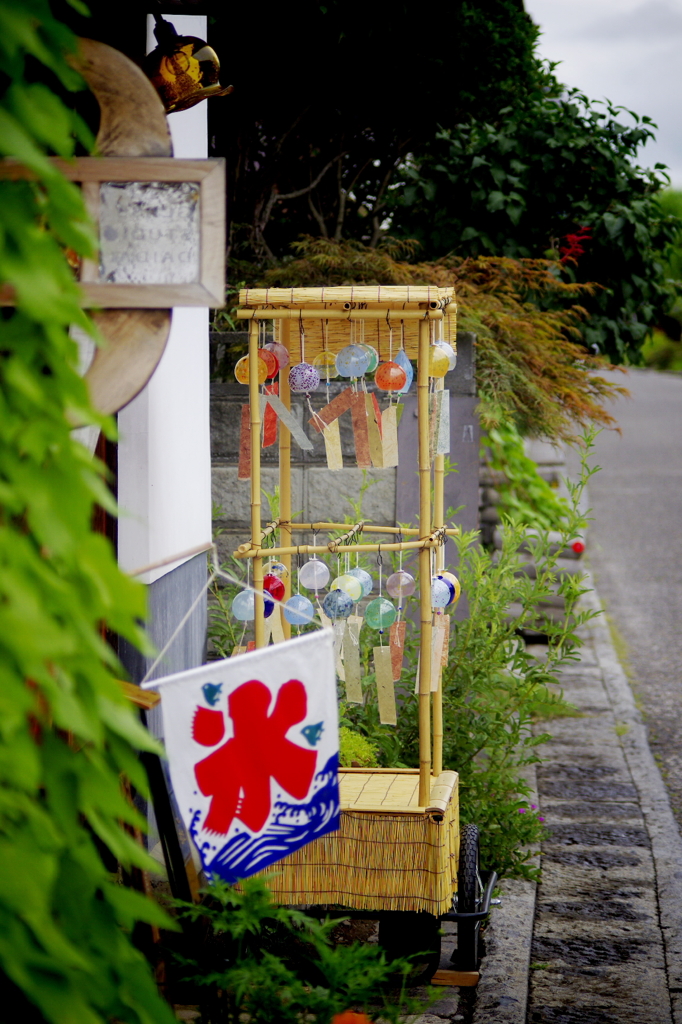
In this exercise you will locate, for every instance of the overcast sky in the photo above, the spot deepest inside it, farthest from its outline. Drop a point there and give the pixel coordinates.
(627, 50)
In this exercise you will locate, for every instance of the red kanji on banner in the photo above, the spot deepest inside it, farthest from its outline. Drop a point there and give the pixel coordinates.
(237, 775)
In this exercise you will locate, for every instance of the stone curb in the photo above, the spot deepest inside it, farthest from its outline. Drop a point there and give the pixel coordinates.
(502, 994)
(666, 842)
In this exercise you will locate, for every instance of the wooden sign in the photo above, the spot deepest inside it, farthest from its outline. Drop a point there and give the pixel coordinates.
(161, 224)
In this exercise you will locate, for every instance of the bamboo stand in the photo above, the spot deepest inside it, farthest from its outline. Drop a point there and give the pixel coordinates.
(387, 814)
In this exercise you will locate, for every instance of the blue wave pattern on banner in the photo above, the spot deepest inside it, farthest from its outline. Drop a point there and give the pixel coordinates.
(290, 828)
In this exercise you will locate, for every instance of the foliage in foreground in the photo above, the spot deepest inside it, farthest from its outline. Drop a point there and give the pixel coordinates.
(67, 733)
(280, 965)
(493, 689)
(531, 368)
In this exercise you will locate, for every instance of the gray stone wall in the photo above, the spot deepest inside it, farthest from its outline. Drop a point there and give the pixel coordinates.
(319, 494)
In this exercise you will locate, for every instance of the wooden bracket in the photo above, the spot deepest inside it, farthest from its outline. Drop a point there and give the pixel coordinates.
(460, 979)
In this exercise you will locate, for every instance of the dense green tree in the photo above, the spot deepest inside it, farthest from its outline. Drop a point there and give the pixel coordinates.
(330, 98)
(441, 124)
(553, 176)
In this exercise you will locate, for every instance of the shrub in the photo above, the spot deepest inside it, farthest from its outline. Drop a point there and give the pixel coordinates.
(272, 964)
(525, 496)
(355, 750)
(493, 688)
(531, 368)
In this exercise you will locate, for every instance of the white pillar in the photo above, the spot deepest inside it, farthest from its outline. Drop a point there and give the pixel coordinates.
(164, 457)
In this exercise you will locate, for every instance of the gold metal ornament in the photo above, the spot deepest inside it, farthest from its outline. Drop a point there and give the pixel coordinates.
(183, 69)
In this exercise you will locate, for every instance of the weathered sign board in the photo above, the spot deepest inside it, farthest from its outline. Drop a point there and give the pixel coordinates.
(161, 224)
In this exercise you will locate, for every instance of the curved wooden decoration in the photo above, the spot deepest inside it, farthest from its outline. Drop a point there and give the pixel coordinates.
(133, 123)
(135, 342)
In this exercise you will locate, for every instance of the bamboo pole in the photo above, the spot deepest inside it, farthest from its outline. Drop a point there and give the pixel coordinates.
(437, 524)
(285, 475)
(306, 313)
(424, 567)
(407, 531)
(268, 530)
(333, 544)
(352, 293)
(254, 406)
(324, 549)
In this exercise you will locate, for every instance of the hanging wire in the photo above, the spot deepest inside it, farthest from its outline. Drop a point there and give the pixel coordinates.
(400, 569)
(301, 336)
(324, 326)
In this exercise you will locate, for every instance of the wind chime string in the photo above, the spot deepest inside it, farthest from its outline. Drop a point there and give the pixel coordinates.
(217, 571)
(400, 569)
(324, 325)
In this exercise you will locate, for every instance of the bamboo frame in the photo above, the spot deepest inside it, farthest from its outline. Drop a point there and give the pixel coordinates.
(350, 293)
(281, 523)
(316, 549)
(257, 561)
(339, 314)
(424, 564)
(325, 316)
(388, 854)
(285, 528)
(431, 532)
(438, 523)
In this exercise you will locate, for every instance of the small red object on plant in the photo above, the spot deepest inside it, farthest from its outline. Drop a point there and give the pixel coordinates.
(578, 546)
(349, 1017)
(574, 248)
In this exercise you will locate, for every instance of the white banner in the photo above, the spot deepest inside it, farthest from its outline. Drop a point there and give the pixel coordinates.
(253, 746)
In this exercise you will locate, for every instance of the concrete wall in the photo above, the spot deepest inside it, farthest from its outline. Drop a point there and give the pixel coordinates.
(320, 494)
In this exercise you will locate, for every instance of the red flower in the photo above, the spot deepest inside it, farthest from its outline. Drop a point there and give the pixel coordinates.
(573, 247)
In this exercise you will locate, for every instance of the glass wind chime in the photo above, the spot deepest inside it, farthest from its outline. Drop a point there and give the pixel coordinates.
(351, 587)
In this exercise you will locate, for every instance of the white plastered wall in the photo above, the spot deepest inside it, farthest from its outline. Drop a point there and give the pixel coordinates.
(164, 458)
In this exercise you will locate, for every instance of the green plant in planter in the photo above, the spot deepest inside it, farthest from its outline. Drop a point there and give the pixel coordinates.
(355, 750)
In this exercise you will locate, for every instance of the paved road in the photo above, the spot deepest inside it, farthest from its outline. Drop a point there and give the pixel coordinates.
(635, 552)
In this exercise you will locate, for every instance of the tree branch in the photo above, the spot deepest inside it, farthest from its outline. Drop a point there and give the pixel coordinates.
(342, 205)
(378, 203)
(313, 184)
(318, 217)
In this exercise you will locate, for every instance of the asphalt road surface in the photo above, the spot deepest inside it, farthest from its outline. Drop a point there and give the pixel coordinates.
(635, 552)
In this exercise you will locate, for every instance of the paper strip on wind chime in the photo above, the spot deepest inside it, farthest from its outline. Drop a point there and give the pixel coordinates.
(253, 751)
